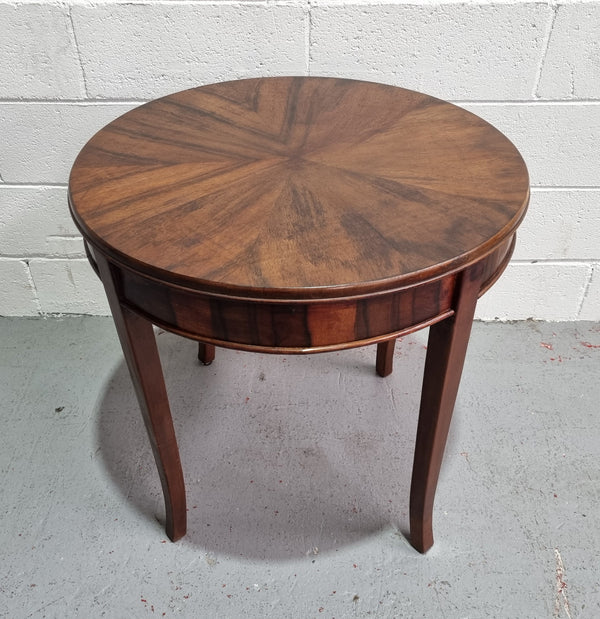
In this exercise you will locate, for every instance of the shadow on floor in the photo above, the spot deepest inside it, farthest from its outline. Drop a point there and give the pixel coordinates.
(282, 456)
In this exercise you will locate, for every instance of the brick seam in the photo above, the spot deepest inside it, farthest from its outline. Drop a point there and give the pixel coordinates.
(500, 102)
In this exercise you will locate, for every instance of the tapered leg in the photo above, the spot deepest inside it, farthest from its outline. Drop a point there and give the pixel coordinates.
(206, 353)
(385, 358)
(446, 351)
(141, 354)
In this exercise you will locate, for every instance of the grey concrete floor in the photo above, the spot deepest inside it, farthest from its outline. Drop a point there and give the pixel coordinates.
(298, 470)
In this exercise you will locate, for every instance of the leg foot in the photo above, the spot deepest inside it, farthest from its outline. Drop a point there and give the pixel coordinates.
(141, 354)
(385, 358)
(446, 351)
(206, 353)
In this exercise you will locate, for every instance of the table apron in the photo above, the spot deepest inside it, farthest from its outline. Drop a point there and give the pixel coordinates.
(314, 325)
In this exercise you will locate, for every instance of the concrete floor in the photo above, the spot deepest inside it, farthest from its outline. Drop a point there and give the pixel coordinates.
(298, 471)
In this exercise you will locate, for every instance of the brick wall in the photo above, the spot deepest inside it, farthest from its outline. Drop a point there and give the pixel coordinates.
(531, 68)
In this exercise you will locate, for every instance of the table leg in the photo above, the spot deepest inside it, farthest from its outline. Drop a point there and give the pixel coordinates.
(446, 351)
(385, 357)
(141, 354)
(206, 353)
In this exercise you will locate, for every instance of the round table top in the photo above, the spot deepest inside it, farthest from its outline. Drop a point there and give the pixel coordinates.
(297, 187)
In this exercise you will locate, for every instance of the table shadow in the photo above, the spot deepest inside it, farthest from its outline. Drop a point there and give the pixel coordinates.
(282, 456)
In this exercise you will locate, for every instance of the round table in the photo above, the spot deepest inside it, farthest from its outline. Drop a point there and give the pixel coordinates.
(299, 215)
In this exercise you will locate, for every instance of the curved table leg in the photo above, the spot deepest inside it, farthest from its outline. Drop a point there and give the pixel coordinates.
(446, 350)
(385, 358)
(141, 354)
(206, 353)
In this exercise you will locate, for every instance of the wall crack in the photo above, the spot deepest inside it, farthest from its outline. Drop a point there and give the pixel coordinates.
(308, 35)
(586, 290)
(33, 287)
(548, 37)
(79, 57)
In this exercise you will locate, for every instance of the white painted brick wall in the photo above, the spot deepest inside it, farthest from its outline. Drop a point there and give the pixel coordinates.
(35, 222)
(530, 68)
(559, 141)
(570, 221)
(18, 297)
(41, 140)
(555, 290)
(38, 51)
(68, 287)
(571, 68)
(450, 50)
(157, 48)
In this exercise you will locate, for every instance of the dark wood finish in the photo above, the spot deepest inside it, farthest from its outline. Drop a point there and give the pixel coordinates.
(446, 349)
(206, 353)
(298, 215)
(385, 358)
(141, 355)
(297, 188)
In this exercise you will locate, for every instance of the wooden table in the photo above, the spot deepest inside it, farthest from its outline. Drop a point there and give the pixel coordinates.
(299, 215)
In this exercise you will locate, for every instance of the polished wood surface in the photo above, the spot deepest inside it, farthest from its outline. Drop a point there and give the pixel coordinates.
(446, 349)
(297, 187)
(141, 355)
(206, 353)
(297, 215)
(385, 358)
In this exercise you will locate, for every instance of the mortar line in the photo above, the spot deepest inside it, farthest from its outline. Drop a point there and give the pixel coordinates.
(216, 3)
(49, 257)
(89, 101)
(125, 101)
(558, 262)
(32, 185)
(531, 102)
(548, 188)
(590, 262)
(551, 188)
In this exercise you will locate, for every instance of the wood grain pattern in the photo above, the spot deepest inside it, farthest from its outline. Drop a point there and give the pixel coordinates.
(446, 349)
(296, 187)
(384, 363)
(206, 353)
(297, 215)
(141, 355)
(297, 326)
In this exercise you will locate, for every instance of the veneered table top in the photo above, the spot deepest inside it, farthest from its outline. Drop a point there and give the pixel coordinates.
(297, 187)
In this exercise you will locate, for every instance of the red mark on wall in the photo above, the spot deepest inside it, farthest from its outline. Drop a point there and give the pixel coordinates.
(588, 345)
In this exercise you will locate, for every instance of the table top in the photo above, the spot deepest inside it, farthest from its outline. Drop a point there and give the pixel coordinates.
(297, 187)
